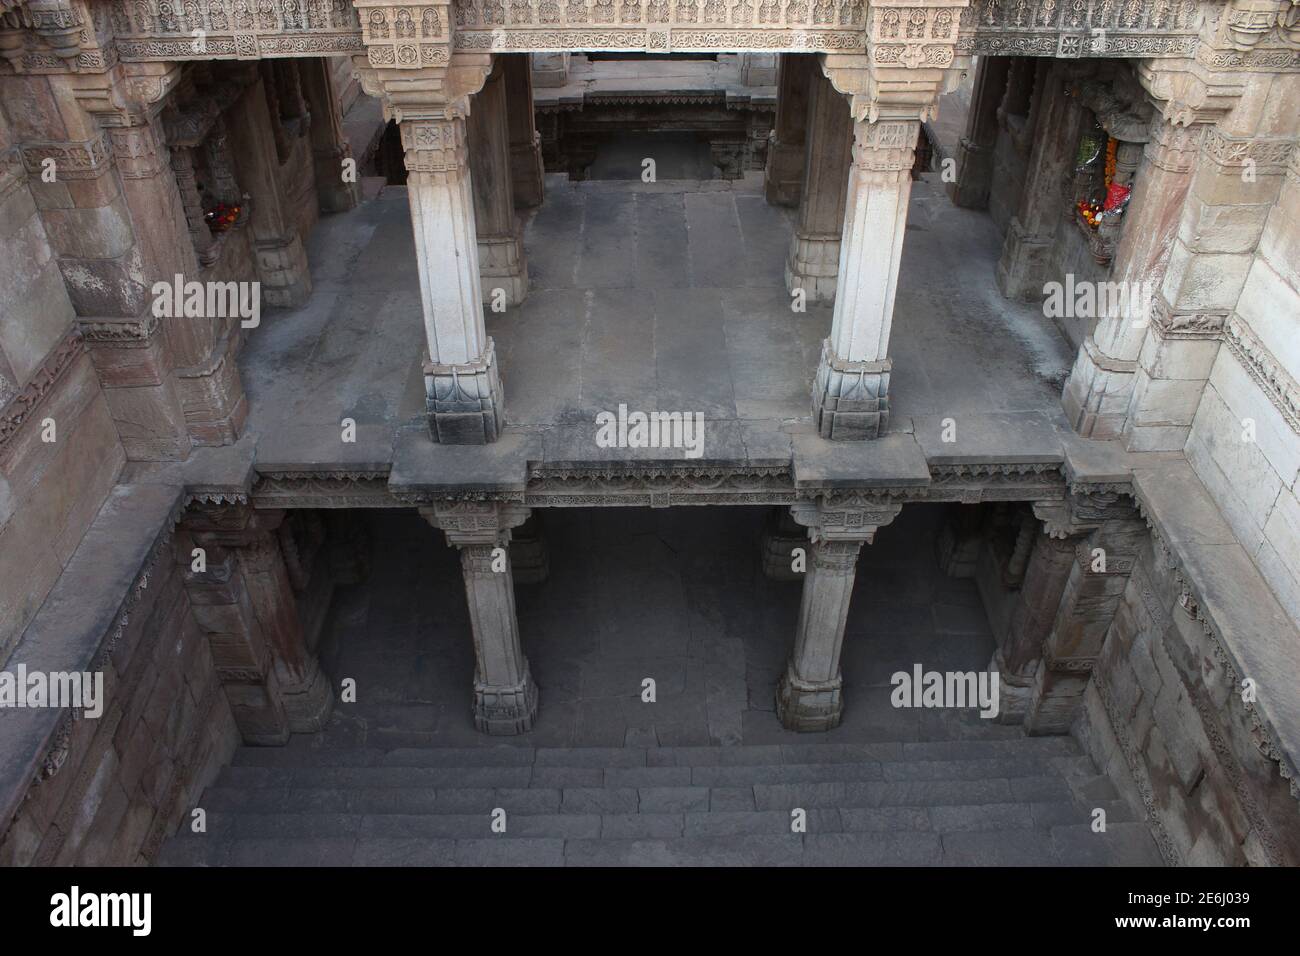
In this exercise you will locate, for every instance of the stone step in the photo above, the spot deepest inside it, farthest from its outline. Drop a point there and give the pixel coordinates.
(564, 777)
(307, 755)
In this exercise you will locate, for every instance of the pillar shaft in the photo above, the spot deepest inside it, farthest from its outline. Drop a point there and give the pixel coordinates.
(785, 160)
(505, 697)
(810, 698)
(850, 394)
(975, 152)
(462, 388)
(526, 170)
(1022, 268)
(500, 242)
(814, 259)
(1100, 388)
(329, 144)
(280, 258)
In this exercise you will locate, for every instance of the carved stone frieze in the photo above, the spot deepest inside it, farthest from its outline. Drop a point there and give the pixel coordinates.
(1269, 374)
(23, 405)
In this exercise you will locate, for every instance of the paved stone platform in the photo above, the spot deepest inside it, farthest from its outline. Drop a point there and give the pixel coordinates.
(664, 296)
(704, 775)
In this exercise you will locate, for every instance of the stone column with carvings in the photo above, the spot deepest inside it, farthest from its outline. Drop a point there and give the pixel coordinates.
(1100, 388)
(462, 388)
(244, 599)
(851, 390)
(280, 258)
(501, 261)
(1034, 613)
(526, 171)
(814, 260)
(1107, 534)
(975, 151)
(1023, 267)
(1235, 183)
(329, 145)
(810, 696)
(783, 177)
(505, 697)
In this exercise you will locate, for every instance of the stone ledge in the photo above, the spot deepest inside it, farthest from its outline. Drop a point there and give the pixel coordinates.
(78, 619)
(1231, 600)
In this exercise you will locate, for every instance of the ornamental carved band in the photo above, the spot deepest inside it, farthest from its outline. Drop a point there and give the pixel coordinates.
(435, 146)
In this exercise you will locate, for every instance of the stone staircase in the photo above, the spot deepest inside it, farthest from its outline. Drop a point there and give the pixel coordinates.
(1021, 801)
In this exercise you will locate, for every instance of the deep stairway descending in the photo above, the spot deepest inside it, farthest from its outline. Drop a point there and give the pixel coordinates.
(1013, 801)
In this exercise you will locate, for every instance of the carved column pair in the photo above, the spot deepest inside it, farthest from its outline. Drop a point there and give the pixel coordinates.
(1073, 587)
(244, 600)
(810, 695)
(505, 696)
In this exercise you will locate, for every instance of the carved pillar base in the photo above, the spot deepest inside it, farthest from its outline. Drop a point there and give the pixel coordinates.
(1023, 268)
(974, 177)
(1097, 393)
(813, 265)
(283, 271)
(464, 402)
(850, 399)
(216, 407)
(809, 706)
(308, 705)
(1015, 691)
(505, 697)
(502, 266)
(1054, 701)
(503, 711)
(781, 535)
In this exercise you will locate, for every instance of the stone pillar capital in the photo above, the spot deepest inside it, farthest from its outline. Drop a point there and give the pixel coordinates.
(469, 524)
(434, 90)
(852, 519)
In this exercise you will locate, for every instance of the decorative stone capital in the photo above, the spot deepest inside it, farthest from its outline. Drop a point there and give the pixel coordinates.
(475, 524)
(436, 147)
(424, 91)
(900, 81)
(851, 519)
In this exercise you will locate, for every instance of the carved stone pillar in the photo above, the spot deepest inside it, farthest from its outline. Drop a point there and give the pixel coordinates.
(1236, 182)
(244, 599)
(329, 144)
(1023, 266)
(304, 689)
(500, 240)
(783, 178)
(1099, 391)
(975, 152)
(200, 235)
(280, 259)
(810, 697)
(526, 171)
(1094, 588)
(814, 260)
(1033, 615)
(462, 388)
(505, 697)
(851, 390)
